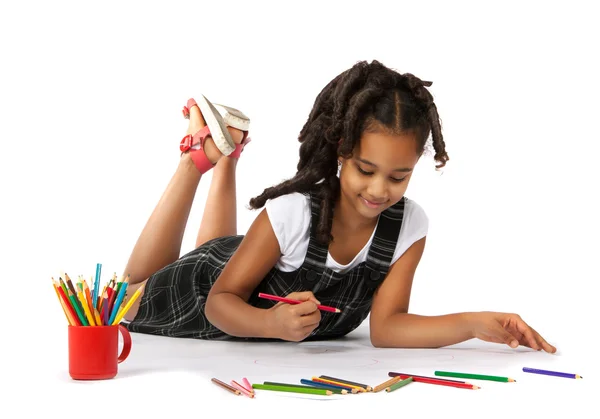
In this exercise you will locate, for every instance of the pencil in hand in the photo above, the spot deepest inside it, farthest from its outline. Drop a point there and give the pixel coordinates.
(290, 301)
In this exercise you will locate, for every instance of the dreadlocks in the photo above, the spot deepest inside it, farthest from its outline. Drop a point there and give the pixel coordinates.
(366, 97)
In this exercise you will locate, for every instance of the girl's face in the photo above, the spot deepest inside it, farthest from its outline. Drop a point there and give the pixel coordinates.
(377, 175)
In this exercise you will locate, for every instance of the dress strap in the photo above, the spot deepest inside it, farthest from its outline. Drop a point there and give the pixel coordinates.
(316, 255)
(383, 245)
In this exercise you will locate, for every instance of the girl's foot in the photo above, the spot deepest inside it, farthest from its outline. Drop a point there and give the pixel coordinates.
(197, 122)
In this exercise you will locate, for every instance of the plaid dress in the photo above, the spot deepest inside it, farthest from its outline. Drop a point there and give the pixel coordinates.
(174, 299)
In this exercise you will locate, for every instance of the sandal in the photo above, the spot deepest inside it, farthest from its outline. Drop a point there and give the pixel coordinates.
(216, 127)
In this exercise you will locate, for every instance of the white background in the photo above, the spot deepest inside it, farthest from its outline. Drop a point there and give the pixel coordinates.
(90, 122)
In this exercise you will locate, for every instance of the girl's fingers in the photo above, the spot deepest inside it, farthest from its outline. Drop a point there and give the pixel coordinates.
(527, 332)
(544, 345)
(504, 336)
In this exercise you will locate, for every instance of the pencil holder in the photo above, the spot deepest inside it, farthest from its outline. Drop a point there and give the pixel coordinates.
(94, 351)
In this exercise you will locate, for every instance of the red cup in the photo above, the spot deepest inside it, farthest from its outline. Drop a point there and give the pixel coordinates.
(94, 351)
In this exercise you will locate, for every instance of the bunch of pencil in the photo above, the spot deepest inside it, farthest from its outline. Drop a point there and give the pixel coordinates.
(323, 385)
(85, 306)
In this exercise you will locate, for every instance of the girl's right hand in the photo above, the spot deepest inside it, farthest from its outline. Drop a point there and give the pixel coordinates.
(295, 322)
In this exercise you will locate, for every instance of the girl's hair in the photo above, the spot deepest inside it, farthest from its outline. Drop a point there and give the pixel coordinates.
(366, 97)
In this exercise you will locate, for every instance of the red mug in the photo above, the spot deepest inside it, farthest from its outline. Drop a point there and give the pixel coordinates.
(94, 351)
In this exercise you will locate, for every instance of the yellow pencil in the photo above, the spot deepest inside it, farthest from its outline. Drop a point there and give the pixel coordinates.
(86, 309)
(127, 306)
(62, 304)
(88, 298)
(97, 317)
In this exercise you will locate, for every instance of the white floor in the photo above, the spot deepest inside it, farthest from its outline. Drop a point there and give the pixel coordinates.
(172, 376)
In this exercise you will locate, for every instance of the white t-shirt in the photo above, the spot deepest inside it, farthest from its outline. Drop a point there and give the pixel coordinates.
(290, 218)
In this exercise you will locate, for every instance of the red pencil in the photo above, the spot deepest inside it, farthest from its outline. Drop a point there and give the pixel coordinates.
(287, 300)
(418, 379)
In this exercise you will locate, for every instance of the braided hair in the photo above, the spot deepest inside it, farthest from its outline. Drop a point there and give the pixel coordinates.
(366, 97)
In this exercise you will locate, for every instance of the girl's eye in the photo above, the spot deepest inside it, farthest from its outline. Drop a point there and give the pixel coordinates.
(397, 180)
(363, 172)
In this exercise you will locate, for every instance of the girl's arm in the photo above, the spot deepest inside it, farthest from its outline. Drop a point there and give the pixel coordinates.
(227, 305)
(392, 326)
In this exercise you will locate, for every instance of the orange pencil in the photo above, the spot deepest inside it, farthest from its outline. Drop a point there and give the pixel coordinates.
(62, 304)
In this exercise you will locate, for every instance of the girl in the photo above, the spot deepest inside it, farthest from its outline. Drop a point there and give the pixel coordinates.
(339, 233)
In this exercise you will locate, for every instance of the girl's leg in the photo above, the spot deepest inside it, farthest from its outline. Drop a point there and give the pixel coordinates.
(219, 217)
(159, 244)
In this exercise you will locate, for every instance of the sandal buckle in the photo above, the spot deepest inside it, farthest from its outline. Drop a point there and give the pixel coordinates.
(186, 143)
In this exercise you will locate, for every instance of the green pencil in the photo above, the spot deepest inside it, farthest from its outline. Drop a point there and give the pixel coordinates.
(316, 387)
(475, 376)
(289, 389)
(79, 310)
(399, 384)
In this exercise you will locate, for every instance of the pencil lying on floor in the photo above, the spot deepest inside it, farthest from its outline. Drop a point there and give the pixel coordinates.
(290, 301)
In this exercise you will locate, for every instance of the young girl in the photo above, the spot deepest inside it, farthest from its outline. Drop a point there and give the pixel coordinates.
(339, 233)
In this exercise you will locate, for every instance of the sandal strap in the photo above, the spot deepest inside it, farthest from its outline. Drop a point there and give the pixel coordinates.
(189, 141)
(187, 107)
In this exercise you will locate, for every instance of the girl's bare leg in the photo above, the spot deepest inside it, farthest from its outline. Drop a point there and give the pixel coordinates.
(219, 217)
(159, 244)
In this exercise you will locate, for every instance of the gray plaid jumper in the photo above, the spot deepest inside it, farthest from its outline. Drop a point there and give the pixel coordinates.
(175, 296)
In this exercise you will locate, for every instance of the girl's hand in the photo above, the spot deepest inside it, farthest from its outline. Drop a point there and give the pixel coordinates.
(507, 328)
(295, 322)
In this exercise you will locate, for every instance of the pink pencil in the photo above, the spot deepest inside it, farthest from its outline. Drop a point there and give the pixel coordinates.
(241, 388)
(247, 384)
(287, 300)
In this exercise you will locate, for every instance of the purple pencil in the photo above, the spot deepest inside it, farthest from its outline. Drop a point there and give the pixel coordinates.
(552, 373)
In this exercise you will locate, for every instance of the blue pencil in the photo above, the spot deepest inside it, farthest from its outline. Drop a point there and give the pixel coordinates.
(96, 289)
(552, 373)
(119, 300)
(325, 385)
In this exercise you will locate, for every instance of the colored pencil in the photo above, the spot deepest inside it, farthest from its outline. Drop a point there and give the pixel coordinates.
(77, 309)
(247, 384)
(354, 388)
(422, 376)
(399, 384)
(62, 304)
(69, 305)
(122, 288)
(105, 308)
(307, 390)
(97, 317)
(127, 306)
(86, 310)
(70, 284)
(386, 384)
(241, 388)
(552, 373)
(352, 383)
(67, 286)
(226, 386)
(334, 388)
(319, 382)
(435, 381)
(96, 290)
(88, 299)
(474, 376)
(290, 301)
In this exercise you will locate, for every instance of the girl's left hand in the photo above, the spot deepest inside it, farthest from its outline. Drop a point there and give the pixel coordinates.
(507, 328)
